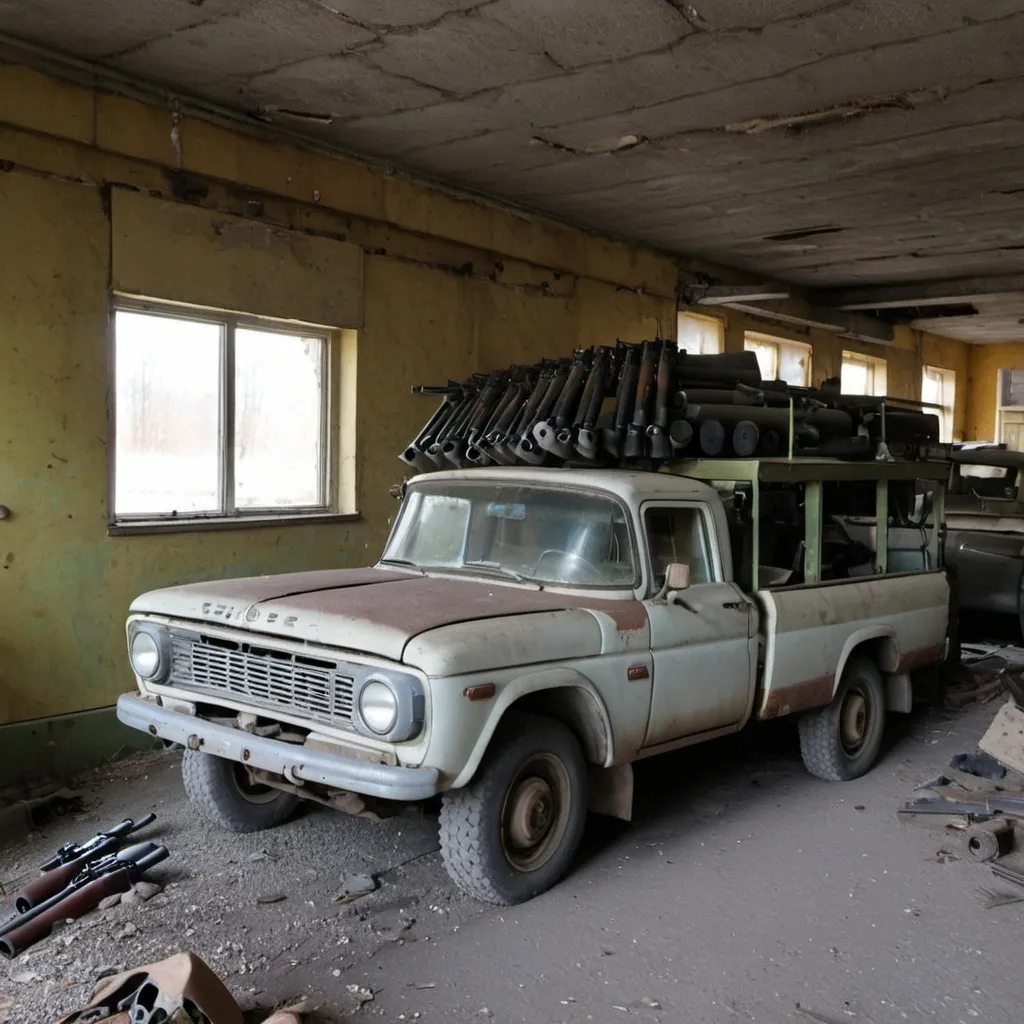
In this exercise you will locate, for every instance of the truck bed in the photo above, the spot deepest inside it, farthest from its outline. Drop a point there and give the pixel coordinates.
(809, 632)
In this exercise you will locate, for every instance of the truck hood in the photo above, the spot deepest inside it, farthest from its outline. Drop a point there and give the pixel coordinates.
(379, 611)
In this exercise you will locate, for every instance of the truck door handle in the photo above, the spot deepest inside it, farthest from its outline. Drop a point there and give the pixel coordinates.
(735, 605)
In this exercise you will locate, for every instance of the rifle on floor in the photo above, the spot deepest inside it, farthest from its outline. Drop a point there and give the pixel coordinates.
(71, 858)
(114, 873)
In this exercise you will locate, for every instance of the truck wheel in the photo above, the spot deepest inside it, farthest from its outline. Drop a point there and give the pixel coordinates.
(842, 741)
(222, 792)
(512, 832)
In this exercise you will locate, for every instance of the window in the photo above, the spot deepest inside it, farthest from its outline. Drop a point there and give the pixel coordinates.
(556, 537)
(677, 535)
(780, 360)
(938, 387)
(863, 375)
(700, 335)
(1010, 409)
(218, 417)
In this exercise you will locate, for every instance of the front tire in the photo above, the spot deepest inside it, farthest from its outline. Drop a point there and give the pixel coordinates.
(842, 741)
(513, 831)
(222, 792)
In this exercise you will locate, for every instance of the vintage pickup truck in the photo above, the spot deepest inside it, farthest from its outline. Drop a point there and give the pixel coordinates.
(529, 633)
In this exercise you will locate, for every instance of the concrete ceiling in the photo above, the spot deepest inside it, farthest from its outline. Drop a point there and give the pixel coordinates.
(825, 143)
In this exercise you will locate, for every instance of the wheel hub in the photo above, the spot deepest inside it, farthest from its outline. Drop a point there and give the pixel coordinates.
(532, 812)
(853, 721)
(535, 812)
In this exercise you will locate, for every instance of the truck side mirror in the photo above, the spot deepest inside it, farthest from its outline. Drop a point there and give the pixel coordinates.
(677, 576)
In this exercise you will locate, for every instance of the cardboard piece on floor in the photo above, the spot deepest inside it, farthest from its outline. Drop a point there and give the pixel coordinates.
(1004, 738)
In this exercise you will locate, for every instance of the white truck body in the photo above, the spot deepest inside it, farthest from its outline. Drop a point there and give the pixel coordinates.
(268, 671)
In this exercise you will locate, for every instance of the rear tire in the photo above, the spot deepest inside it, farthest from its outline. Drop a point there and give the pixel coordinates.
(221, 792)
(842, 741)
(513, 831)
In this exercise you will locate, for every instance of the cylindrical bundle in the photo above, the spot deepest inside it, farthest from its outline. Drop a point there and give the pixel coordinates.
(716, 396)
(733, 414)
(712, 438)
(904, 426)
(832, 423)
(680, 434)
(745, 438)
(725, 369)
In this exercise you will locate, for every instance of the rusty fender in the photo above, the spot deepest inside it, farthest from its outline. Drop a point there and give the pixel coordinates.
(599, 728)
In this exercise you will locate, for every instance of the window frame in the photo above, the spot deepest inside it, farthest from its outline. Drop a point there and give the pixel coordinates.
(710, 534)
(947, 416)
(875, 366)
(778, 343)
(335, 492)
(716, 322)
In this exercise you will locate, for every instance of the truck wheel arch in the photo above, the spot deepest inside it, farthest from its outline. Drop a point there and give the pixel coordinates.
(880, 644)
(562, 694)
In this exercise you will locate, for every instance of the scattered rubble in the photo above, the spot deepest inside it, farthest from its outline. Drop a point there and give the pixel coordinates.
(273, 950)
(978, 763)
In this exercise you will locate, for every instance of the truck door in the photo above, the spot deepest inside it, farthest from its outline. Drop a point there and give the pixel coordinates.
(704, 646)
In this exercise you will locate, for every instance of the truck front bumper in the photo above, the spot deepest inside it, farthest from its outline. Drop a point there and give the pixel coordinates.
(297, 764)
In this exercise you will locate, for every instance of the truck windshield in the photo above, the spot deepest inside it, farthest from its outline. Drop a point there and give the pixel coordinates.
(555, 536)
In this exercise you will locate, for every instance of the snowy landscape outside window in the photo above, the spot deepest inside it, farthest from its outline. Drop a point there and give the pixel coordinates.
(218, 417)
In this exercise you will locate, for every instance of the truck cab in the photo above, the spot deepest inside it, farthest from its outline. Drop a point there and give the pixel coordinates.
(528, 633)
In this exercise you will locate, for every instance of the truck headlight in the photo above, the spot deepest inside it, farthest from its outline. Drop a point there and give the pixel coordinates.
(148, 653)
(379, 706)
(390, 706)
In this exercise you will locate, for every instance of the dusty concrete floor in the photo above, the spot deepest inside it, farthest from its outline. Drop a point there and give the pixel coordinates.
(744, 890)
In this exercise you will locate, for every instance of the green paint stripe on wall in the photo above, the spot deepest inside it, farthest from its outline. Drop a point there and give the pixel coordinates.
(61, 746)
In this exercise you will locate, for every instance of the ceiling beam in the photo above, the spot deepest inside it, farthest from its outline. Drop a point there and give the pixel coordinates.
(723, 294)
(847, 325)
(922, 293)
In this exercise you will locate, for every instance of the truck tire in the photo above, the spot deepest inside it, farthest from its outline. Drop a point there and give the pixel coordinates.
(221, 791)
(512, 832)
(842, 741)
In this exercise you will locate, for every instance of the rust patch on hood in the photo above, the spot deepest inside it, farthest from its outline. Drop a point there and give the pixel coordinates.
(424, 603)
(629, 616)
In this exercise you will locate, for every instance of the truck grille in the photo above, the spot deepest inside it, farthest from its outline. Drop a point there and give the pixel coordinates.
(262, 676)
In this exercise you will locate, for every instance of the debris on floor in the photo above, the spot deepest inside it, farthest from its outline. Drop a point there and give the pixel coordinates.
(355, 885)
(981, 675)
(978, 763)
(182, 989)
(985, 841)
(1004, 738)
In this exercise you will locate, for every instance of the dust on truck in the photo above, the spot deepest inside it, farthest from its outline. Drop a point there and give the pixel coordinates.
(531, 632)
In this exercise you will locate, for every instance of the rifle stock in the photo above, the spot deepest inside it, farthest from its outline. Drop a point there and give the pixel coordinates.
(75, 904)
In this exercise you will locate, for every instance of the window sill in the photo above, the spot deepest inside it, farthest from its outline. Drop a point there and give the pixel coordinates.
(128, 528)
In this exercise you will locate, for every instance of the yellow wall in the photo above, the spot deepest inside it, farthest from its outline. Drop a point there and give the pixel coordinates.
(450, 285)
(985, 363)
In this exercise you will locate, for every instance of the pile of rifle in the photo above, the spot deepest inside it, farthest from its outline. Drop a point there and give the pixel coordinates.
(77, 878)
(633, 404)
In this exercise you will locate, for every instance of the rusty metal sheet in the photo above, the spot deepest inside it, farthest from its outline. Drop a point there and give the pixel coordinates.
(922, 657)
(812, 693)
